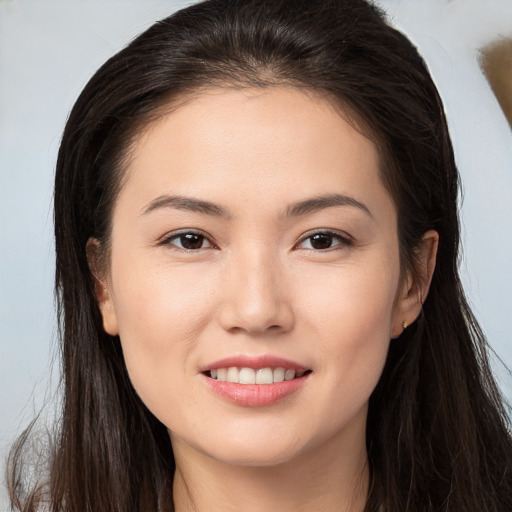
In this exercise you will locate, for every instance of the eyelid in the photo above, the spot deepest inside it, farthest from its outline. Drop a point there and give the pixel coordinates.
(169, 237)
(344, 238)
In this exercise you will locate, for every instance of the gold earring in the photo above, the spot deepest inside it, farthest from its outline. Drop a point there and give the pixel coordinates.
(404, 324)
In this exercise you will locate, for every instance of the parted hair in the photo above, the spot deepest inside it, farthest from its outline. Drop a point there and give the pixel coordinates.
(438, 433)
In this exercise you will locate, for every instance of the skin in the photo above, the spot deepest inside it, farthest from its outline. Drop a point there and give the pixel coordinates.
(258, 286)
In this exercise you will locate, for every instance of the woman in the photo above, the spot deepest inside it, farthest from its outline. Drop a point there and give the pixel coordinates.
(257, 240)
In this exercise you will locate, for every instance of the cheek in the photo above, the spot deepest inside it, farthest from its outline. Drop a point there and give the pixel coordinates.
(352, 300)
(160, 316)
(350, 328)
(350, 313)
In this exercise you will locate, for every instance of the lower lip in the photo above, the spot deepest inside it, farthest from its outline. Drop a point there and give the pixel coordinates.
(255, 395)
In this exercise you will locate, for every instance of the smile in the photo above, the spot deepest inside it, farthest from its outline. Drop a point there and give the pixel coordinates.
(254, 381)
(254, 376)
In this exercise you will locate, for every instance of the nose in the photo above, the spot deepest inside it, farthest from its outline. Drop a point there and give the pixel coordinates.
(256, 297)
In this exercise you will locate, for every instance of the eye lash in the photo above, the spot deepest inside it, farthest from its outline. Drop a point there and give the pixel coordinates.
(320, 231)
(169, 237)
(346, 240)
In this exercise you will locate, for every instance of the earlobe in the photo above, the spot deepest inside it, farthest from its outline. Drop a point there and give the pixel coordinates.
(101, 288)
(416, 285)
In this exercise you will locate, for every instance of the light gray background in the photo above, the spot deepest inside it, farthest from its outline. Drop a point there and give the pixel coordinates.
(49, 49)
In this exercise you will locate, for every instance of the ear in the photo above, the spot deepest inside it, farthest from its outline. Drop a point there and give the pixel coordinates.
(101, 287)
(416, 285)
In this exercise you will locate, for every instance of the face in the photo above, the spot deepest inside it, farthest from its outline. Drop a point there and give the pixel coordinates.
(254, 278)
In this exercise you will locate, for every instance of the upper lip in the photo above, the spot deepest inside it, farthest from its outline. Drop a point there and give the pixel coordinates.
(254, 362)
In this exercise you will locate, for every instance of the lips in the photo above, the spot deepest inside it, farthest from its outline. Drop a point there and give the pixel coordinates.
(254, 381)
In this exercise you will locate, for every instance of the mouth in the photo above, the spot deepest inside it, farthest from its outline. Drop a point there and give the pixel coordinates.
(246, 375)
(255, 381)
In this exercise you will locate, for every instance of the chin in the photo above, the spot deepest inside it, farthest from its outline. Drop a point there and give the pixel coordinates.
(250, 450)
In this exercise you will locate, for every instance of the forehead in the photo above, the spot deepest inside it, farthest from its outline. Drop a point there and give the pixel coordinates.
(272, 142)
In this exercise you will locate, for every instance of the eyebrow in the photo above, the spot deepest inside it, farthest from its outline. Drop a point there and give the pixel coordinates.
(321, 202)
(311, 205)
(186, 203)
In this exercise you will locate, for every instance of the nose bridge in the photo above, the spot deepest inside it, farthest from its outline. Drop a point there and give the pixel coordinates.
(256, 298)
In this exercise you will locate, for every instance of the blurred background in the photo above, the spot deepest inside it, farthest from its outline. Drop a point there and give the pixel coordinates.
(50, 48)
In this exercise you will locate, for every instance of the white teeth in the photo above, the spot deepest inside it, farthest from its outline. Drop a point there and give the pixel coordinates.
(251, 376)
(289, 375)
(247, 376)
(233, 374)
(279, 375)
(263, 376)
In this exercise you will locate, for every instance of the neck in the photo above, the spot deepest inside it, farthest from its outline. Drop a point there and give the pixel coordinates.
(332, 477)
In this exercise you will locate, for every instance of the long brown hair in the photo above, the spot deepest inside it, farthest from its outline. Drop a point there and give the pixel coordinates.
(437, 434)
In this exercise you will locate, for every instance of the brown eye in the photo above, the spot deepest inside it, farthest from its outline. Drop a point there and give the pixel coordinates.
(189, 241)
(321, 241)
(324, 240)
